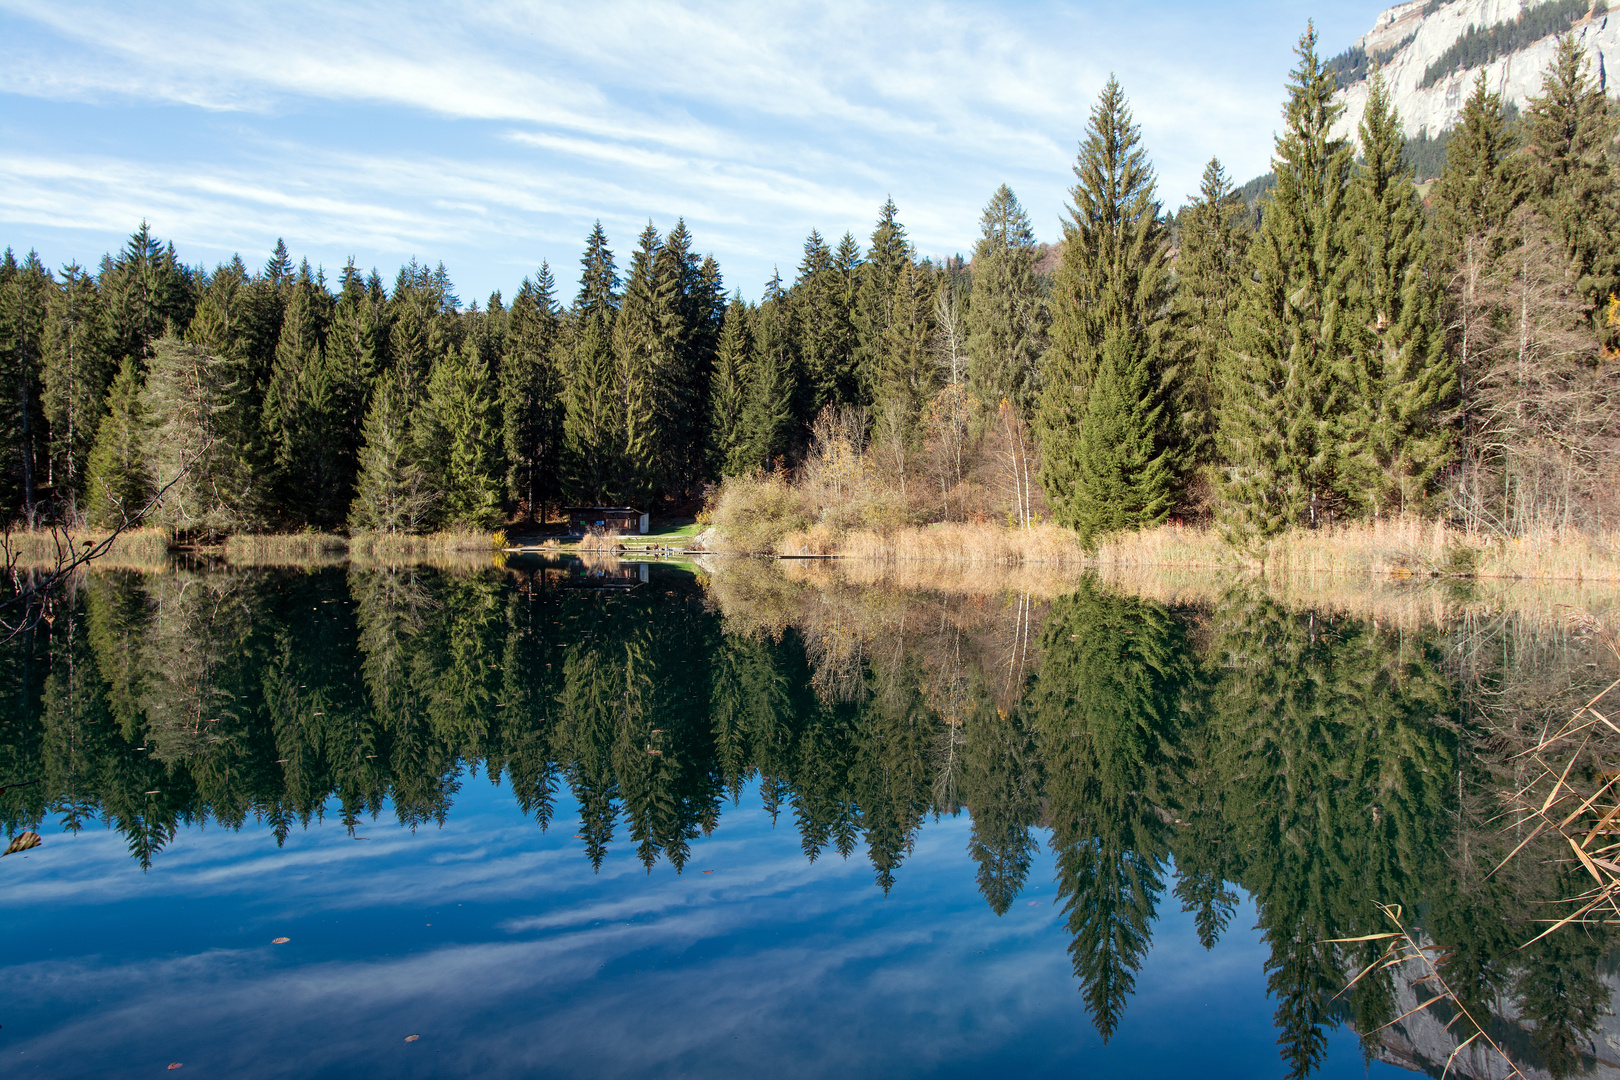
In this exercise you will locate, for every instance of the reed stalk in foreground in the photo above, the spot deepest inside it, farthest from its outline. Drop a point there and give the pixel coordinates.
(1586, 818)
(1404, 949)
(1571, 801)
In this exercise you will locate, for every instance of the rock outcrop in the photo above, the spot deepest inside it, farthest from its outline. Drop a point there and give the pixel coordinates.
(1419, 32)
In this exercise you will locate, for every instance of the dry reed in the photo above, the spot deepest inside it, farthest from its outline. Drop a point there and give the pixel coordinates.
(1405, 949)
(1404, 547)
(134, 549)
(1582, 801)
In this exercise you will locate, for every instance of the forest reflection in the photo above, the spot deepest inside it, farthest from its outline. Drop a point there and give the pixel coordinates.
(1317, 762)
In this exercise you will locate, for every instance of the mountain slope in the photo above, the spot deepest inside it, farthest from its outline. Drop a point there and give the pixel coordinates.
(1428, 41)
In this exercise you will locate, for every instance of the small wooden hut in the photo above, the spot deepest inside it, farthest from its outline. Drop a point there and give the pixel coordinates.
(617, 520)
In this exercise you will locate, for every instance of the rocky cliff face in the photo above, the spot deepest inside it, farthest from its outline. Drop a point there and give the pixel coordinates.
(1418, 32)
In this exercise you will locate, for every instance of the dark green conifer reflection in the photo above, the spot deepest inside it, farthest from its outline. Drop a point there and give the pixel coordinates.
(1314, 764)
(1105, 709)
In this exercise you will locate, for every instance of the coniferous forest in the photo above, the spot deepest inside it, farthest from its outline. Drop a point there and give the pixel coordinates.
(1348, 351)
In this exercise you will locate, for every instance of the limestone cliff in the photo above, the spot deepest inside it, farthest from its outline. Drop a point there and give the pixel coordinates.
(1415, 35)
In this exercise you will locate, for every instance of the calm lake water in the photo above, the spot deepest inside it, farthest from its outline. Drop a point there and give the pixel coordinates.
(548, 820)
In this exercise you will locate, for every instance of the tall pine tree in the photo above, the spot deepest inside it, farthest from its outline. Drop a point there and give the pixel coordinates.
(1398, 380)
(458, 436)
(117, 485)
(644, 354)
(767, 415)
(729, 393)
(531, 396)
(874, 298)
(1209, 268)
(1278, 391)
(77, 370)
(1107, 463)
(590, 393)
(1570, 132)
(392, 493)
(1006, 316)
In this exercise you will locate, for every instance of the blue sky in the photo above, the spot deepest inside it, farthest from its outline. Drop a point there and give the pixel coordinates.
(491, 136)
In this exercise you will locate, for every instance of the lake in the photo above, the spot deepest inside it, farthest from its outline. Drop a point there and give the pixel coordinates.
(592, 820)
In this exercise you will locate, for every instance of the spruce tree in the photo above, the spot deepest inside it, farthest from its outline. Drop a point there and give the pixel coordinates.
(1209, 269)
(644, 355)
(457, 434)
(1479, 186)
(356, 345)
(301, 416)
(846, 266)
(818, 315)
(729, 392)
(1110, 308)
(767, 414)
(278, 268)
(144, 291)
(590, 411)
(1475, 198)
(599, 282)
(117, 485)
(906, 372)
(392, 493)
(1123, 478)
(194, 403)
(1278, 391)
(77, 370)
(682, 381)
(531, 401)
(1397, 378)
(1570, 133)
(1006, 316)
(221, 324)
(874, 297)
(590, 390)
(25, 296)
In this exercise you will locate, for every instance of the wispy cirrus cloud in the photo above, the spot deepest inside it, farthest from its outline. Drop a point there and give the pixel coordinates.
(491, 136)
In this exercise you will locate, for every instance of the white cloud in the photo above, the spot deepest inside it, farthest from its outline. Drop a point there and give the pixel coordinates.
(491, 136)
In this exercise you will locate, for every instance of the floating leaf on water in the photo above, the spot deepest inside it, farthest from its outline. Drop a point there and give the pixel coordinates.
(412, 1038)
(280, 940)
(22, 842)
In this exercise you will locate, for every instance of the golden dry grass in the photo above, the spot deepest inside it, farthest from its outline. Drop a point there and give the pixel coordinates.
(1395, 548)
(137, 549)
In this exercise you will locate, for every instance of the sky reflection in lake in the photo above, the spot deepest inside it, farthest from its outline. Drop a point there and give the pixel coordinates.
(498, 945)
(765, 821)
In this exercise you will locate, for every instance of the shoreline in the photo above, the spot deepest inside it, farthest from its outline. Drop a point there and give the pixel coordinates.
(1405, 549)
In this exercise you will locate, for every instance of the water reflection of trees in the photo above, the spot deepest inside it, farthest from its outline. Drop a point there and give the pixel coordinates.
(1317, 762)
